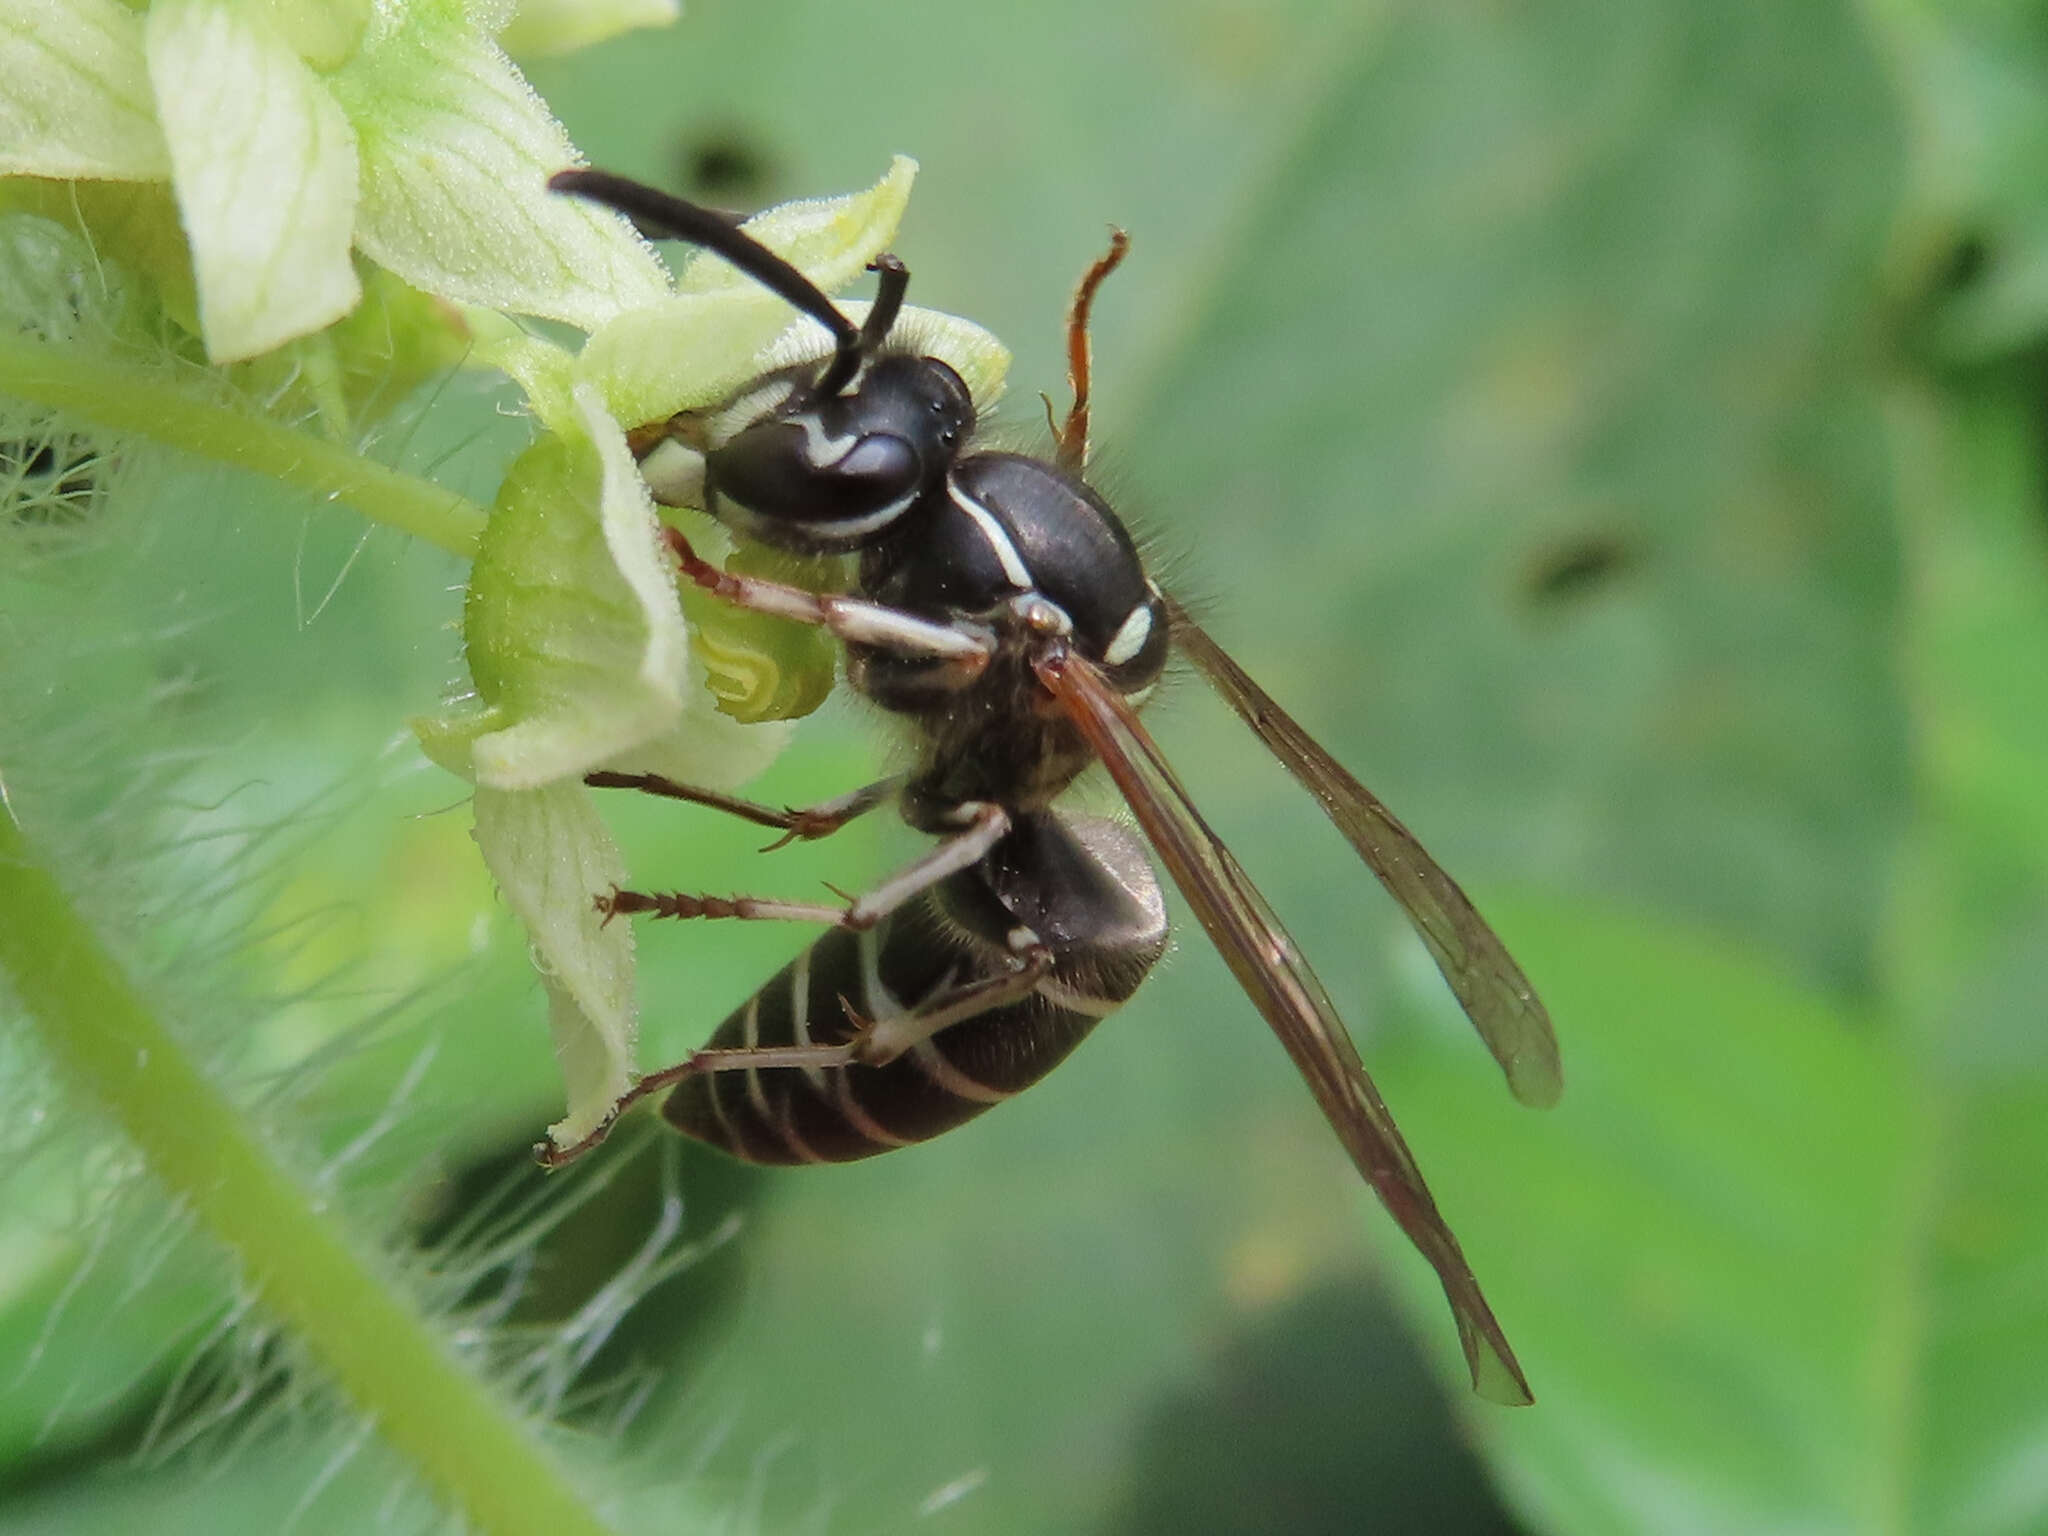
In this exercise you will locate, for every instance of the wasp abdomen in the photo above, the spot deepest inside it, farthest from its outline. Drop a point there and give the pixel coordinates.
(787, 1115)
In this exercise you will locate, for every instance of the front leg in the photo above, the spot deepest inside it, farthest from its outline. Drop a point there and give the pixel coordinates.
(964, 650)
(983, 825)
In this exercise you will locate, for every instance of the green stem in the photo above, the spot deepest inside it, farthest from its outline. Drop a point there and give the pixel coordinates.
(396, 1370)
(150, 403)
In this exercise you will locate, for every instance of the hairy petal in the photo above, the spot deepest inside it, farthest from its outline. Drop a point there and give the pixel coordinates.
(702, 343)
(264, 166)
(550, 853)
(456, 153)
(74, 93)
(543, 27)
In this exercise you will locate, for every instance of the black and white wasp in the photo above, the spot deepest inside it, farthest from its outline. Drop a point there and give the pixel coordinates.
(1002, 610)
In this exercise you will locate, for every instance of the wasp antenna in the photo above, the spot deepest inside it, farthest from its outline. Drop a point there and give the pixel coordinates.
(1070, 448)
(669, 216)
(889, 290)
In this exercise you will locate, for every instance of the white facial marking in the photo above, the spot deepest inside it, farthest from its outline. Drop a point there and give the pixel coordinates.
(1131, 638)
(674, 474)
(818, 448)
(866, 523)
(999, 543)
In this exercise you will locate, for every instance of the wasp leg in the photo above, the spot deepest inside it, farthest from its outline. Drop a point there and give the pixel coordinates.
(1070, 442)
(964, 649)
(874, 1043)
(877, 1042)
(984, 825)
(796, 823)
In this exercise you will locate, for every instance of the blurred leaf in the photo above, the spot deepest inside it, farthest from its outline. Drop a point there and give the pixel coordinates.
(1966, 950)
(1534, 286)
(1764, 1277)
(1975, 75)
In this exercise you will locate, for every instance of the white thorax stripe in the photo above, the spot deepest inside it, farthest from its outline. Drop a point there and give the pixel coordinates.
(1131, 637)
(1014, 570)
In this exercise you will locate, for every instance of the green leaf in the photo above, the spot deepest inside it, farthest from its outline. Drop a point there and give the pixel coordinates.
(1574, 541)
(456, 152)
(1976, 76)
(74, 92)
(1764, 1274)
(1972, 898)
(265, 169)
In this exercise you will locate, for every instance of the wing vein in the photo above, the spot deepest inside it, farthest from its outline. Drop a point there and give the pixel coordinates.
(1484, 977)
(1270, 968)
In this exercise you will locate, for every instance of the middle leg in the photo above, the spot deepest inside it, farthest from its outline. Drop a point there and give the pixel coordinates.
(983, 825)
(796, 823)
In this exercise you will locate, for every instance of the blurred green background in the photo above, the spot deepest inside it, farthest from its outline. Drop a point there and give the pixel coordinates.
(1616, 431)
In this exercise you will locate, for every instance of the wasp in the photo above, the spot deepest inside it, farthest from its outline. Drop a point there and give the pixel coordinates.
(1002, 611)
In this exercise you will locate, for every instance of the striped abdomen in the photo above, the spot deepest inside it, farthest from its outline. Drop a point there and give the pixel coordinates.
(838, 1114)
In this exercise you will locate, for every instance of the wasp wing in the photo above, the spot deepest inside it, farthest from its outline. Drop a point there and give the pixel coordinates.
(1278, 980)
(1488, 984)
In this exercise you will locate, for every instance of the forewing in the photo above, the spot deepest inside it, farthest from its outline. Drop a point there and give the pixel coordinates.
(1495, 994)
(1276, 978)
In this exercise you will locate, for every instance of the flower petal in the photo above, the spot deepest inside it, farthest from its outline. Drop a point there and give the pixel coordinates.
(550, 853)
(265, 170)
(575, 637)
(543, 27)
(830, 240)
(982, 362)
(680, 353)
(705, 342)
(74, 93)
(456, 153)
(544, 372)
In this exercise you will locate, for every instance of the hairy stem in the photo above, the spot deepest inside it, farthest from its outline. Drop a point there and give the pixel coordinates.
(150, 403)
(110, 1045)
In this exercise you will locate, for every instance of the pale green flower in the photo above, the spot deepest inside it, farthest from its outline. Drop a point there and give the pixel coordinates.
(577, 645)
(296, 132)
(309, 148)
